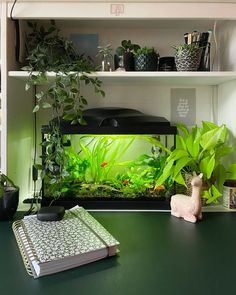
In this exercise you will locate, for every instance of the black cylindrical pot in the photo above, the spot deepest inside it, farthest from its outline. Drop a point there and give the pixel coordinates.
(8, 203)
(146, 62)
(129, 61)
(167, 64)
(125, 61)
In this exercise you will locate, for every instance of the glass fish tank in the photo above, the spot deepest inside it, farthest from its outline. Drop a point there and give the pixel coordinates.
(113, 162)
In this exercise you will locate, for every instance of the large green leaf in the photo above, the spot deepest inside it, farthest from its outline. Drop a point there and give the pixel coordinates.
(167, 171)
(179, 179)
(207, 126)
(223, 151)
(211, 138)
(193, 146)
(214, 195)
(180, 164)
(177, 154)
(154, 141)
(220, 174)
(224, 134)
(232, 171)
(183, 128)
(180, 143)
(207, 165)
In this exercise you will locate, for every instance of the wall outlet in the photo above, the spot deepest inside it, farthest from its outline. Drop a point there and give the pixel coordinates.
(183, 106)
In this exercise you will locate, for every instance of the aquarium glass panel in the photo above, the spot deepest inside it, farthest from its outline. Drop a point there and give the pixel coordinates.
(113, 166)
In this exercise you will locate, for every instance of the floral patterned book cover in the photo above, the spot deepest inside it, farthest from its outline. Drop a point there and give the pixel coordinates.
(54, 246)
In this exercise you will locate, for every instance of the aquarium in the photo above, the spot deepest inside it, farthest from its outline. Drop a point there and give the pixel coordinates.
(114, 166)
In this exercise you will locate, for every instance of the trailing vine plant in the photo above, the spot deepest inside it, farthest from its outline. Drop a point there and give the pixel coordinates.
(49, 51)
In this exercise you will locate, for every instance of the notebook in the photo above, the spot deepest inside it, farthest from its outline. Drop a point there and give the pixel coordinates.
(53, 246)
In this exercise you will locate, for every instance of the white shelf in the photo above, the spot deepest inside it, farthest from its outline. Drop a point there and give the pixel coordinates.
(161, 78)
(125, 10)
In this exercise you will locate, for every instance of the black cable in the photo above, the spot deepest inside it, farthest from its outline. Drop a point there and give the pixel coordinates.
(35, 128)
(17, 29)
(12, 8)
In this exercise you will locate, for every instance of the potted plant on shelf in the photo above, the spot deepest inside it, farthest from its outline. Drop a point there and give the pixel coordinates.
(199, 151)
(9, 197)
(125, 52)
(146, 59)
(187, 57)
(106, 54)
(49, 51)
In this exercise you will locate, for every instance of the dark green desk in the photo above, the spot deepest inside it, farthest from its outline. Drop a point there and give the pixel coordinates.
(159, 254)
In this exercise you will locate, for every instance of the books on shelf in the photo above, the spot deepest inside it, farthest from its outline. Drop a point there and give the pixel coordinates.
(54, 246)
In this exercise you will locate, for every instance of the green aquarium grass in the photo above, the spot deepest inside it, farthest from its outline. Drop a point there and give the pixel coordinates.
(113, 166)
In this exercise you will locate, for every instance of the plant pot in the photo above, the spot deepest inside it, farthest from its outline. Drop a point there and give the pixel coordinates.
(188, 60)
(125, 61)
(8, 203)
(129, 61)
(146, 62)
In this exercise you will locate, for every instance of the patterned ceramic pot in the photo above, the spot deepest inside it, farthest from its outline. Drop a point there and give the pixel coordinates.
(188, 60)
(146, 62)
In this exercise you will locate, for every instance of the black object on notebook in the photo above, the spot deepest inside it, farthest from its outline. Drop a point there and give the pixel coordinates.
(53, 213)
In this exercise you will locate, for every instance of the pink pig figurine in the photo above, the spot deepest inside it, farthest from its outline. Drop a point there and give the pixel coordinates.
(189, 208)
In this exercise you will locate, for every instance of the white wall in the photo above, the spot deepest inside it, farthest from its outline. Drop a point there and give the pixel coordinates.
(227, 45)
(147, 97)
(227, 91)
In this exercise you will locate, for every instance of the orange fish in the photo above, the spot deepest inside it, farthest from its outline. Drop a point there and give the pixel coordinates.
(103, 164)
(159, 188)
(125, 182)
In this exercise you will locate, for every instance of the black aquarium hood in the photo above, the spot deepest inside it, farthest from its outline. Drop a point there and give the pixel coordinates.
(112, 120)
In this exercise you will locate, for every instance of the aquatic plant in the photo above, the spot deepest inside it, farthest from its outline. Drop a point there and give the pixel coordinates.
(109, 165)
(103, 153)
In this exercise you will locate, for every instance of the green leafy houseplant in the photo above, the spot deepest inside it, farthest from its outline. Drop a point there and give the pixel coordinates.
(187, 57)
(48, 51)
(145, 50)
(106, 54)
(9, 197)
(201, 151)
(127, 46)
(189, 47)
(126, 51)
(146, 59)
